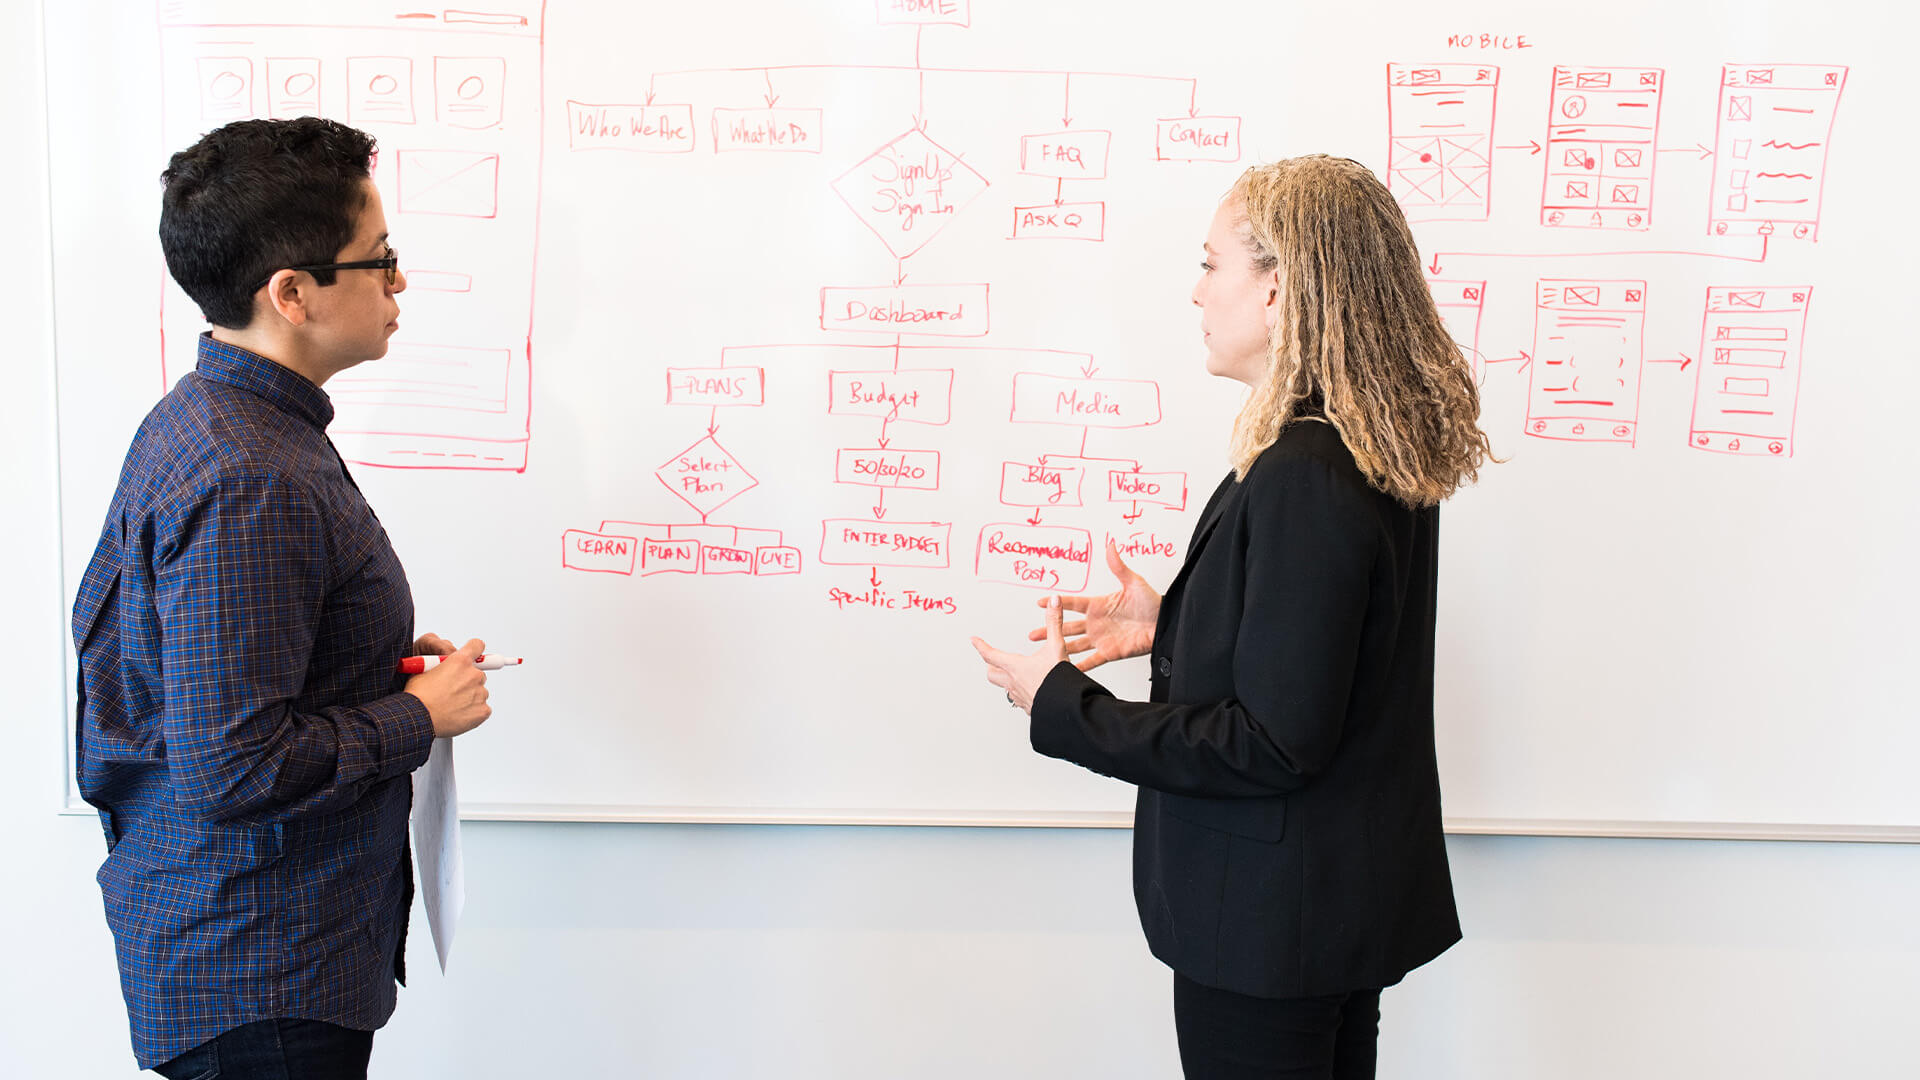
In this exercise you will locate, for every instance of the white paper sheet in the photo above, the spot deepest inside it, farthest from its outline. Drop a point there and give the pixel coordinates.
(436, 846)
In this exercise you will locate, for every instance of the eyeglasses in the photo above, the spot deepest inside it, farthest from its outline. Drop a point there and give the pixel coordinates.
(390, 263)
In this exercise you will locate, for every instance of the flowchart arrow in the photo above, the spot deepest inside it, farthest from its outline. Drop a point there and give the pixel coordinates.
(1765, 232)
(1702, 149)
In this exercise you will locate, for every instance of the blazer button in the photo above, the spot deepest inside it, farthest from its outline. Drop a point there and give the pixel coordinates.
(1166, 667)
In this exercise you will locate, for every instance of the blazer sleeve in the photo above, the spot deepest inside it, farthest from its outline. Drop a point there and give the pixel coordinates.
(1310, 546)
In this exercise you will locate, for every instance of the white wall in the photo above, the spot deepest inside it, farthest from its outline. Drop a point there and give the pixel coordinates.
(713, 952)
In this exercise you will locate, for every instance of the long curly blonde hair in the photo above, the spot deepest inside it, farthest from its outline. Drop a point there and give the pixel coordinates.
(1359, 342)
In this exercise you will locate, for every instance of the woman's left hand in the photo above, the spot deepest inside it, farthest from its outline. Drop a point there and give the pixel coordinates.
(433, 645)
(1021, 675)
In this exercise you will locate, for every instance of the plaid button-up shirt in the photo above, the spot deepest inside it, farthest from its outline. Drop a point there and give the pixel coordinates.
(240, 726)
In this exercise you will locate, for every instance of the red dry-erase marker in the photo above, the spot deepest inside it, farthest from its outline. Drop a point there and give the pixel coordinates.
(414, 665)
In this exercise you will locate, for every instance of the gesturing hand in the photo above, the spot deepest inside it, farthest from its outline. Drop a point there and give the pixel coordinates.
(1117, 625)
(1021, 676)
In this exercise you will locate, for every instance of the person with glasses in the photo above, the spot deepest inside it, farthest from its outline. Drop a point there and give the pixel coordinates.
(241, 726)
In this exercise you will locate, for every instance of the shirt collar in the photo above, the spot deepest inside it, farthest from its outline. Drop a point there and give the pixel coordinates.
(280, 386)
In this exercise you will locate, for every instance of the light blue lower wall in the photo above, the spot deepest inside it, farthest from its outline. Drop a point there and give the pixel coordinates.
(716, 952)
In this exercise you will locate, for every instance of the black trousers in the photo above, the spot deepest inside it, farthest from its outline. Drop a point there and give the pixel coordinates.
(1229, 1036)
(277, 1050)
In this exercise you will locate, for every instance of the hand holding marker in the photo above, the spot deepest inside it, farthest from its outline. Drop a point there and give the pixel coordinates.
(455, 694)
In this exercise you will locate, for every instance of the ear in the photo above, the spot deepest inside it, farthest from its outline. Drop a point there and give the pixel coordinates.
(285, 296)
(1273, 298)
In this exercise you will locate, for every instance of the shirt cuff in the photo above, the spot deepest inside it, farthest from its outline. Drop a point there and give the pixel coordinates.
(405, 731)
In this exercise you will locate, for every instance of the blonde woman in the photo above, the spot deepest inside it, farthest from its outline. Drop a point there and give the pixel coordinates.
(1288, 856)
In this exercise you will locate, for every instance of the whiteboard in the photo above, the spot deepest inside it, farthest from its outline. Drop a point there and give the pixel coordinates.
(757, 355)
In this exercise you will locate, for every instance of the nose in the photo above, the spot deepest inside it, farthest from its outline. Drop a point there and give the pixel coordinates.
(399, 282)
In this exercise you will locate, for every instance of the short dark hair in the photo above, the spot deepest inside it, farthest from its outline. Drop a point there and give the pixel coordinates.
(256, 196)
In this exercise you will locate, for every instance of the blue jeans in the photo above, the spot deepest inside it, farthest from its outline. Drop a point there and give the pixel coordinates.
(277, 1050)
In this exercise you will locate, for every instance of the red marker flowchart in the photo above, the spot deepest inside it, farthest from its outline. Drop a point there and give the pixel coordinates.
(1587, 364)
(896, 545)
(454, 99)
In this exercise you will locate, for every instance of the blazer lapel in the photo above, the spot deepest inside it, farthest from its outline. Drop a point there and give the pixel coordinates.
(1209, 519)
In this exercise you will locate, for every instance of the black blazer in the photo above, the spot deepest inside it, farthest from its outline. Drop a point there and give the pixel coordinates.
(1287, 839)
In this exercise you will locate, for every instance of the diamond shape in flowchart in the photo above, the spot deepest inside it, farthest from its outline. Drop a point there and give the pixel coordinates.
(706, 476)
(908, 190)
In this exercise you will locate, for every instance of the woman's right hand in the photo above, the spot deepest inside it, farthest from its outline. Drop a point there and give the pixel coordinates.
(1113, 627)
